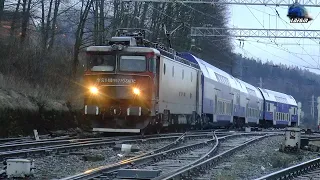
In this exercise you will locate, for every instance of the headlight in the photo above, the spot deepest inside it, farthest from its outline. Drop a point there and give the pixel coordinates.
(94, 90)
(136, 91)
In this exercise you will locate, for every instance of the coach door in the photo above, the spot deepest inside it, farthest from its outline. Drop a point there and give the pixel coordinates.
(247, 110)
(198, 78)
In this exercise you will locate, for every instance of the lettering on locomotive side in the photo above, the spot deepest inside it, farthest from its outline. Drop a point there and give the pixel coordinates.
(113, 80)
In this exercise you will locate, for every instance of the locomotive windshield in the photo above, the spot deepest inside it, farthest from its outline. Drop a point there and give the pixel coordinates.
(133, 63)
(102, 62)
(117, 62)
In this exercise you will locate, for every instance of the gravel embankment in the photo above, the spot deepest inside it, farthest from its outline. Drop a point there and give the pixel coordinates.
(257, 160)
(64, 165)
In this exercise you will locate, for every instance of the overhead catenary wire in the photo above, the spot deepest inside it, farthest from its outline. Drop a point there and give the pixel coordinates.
(233, 25)
(187, 24)
(264, 28)
(269, 37)
(273, 41)
(298, 43)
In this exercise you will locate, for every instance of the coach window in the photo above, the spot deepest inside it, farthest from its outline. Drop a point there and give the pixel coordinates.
(164, 68)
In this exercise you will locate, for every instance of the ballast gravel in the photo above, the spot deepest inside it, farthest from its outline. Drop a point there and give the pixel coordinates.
(256, 160)
(68, 164)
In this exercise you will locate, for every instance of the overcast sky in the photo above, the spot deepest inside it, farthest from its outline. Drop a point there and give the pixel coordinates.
(298, 52)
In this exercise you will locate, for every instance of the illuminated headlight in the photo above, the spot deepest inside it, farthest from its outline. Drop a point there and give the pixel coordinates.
(94, 90)
(136, 91)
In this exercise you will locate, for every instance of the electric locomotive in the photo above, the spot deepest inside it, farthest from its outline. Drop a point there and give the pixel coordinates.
(136, 86)
(122, 85)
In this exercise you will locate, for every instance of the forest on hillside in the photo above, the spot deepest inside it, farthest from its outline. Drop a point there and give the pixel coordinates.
(42, 37)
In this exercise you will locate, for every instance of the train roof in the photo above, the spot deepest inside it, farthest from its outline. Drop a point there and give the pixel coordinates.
(213, 72)
(270, 95)
(132, 49)
(240, 84)
(252, 89)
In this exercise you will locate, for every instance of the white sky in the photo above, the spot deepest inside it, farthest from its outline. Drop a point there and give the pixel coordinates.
(297, 52)
(289, 51)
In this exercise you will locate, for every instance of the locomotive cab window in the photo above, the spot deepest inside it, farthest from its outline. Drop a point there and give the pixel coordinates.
(101, 62)
(152, 65)
(133, 63)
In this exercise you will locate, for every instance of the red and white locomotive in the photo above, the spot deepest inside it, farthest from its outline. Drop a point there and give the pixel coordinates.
(129, 86)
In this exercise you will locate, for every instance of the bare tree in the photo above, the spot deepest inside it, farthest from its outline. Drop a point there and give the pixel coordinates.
(54, 22)
(79, 34)
(25, 19)
(1, 9)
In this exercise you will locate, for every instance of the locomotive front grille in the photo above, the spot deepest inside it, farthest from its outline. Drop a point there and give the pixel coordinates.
(117, 92)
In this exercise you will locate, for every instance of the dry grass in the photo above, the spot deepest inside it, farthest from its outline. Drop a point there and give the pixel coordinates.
(44, 76)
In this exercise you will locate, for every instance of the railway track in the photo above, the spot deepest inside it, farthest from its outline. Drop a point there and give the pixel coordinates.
(169, 158)
(303, 171)
(224, 147)
(48, 147)
(20, 139)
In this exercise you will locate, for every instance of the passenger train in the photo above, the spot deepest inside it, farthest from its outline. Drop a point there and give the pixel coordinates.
(133, 85)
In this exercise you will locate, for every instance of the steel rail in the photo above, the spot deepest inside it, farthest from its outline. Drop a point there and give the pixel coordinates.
(98, 171)
(32, 144)
(84, 144)
(207, 155)
(196, 167)
(18, 139)
(30, 140)
(293, 171)
(89, 174)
